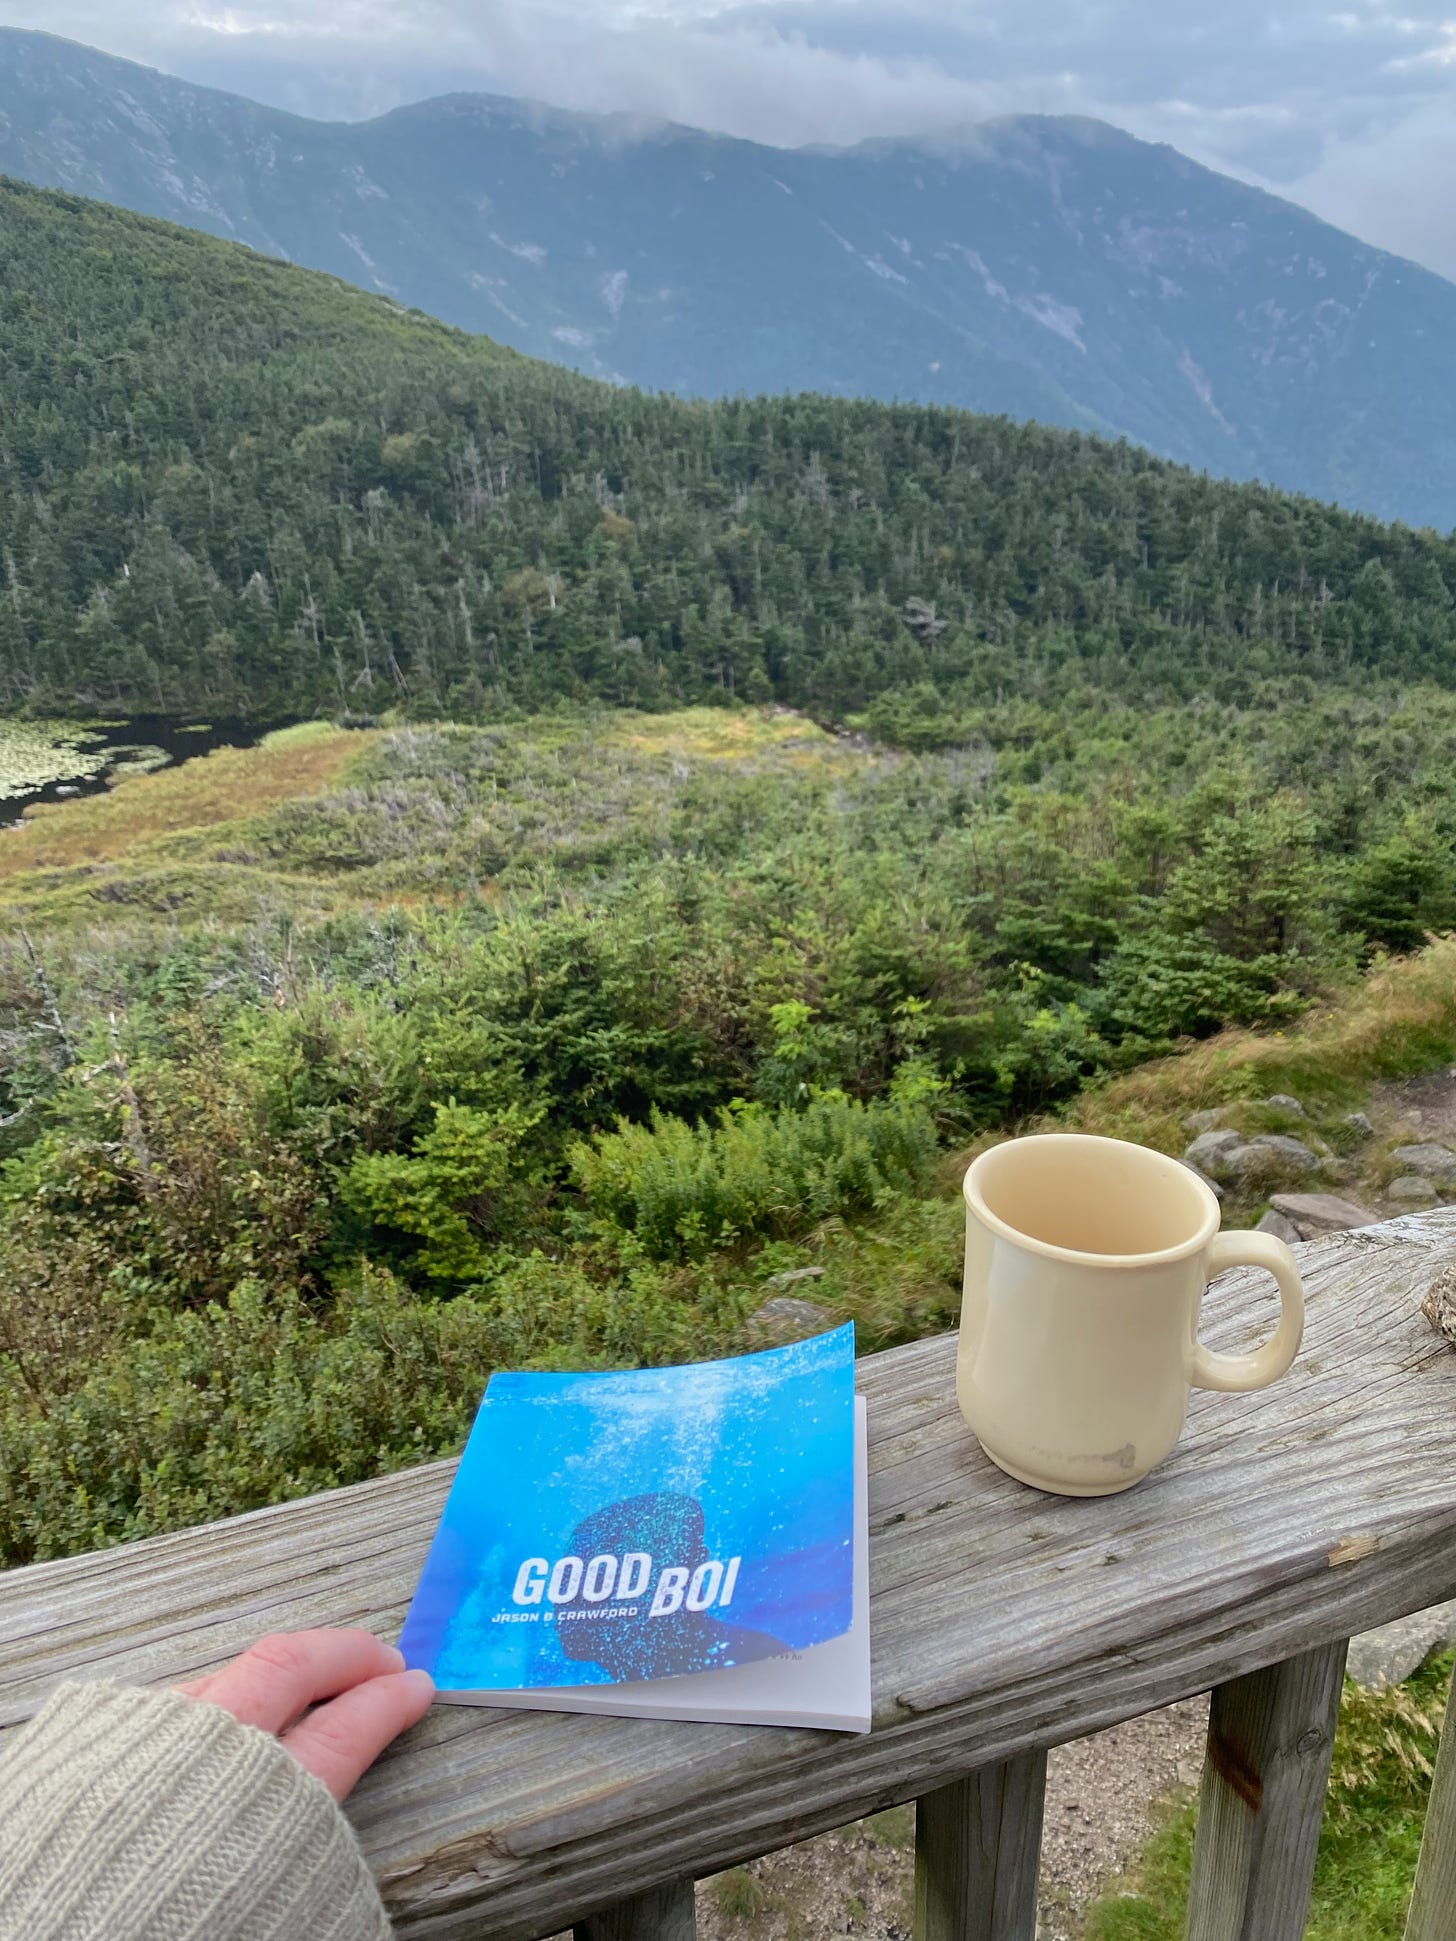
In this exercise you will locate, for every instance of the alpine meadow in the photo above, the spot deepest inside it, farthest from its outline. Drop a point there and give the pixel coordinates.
(685, 827)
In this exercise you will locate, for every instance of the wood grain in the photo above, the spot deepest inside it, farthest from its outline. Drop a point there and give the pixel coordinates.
(1003, 1621)
(1433, 1903)
(1271, 1735)
(977, 1851)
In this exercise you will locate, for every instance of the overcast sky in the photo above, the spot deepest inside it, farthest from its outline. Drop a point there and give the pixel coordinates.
(1348, 107)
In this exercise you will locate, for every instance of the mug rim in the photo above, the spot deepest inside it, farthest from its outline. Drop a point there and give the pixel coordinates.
(975, 1202)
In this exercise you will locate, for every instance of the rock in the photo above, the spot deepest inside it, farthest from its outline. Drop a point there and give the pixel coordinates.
(1314, 1213)
(1294, 1150)
(1393, 1652)
(66, 790)
(1281, 1228)
(1209, 1148)
(1270, 1159)
(1212, 1184)
(1204, 1121)
(785, 1319)
(791, 1276)
(1282, 1102)
(1358, 1124)
(1411, 1190)
(1437, 1163)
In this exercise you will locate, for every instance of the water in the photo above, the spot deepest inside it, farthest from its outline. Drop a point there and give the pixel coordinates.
(50, 761)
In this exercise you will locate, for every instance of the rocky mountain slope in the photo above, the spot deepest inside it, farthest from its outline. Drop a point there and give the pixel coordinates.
(231, 485)
(1045, 268)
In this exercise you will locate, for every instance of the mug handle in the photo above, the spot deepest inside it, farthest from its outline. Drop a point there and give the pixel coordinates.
(1239, 1373)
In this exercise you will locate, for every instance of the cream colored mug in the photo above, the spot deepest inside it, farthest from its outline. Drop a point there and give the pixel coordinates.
(1086, 1262)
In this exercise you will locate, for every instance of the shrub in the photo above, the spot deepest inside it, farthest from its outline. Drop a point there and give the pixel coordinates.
(456, 1192)
(232, 1406)
(683, 1189)
(1156, 989)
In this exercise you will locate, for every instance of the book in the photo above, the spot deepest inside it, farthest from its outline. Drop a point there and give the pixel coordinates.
(678, 1543)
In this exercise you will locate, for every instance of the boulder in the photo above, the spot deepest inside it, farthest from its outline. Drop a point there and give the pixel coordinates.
(1411, 1190)
(1282, 1102)
(1393, 1652)
(1209, 1148)
(1294, 1150)
(1281, 1228)
(785, 1319)
(1436, 1163)
(1314, 1213)
(1359, 1124)
(1212, 1184)
(1271, 1159)
(1204, 1121)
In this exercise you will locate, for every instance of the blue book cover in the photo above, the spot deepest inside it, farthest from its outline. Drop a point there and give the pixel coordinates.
(674, 1542)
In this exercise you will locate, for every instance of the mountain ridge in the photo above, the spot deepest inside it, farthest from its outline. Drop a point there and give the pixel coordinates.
(230, 485)
(1046, 268)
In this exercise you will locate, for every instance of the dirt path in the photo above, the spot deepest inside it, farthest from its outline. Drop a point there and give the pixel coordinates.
(1427, 1105)
(1101, 1795)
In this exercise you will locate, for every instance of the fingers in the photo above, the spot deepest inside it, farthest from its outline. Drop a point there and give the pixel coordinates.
(281, 1676)
(343, 1738)
(362, 1695)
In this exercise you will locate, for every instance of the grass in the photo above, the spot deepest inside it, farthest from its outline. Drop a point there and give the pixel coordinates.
(225, 786)
(894, 1828)
(159, 842)
(727, 735)
(1399, 1020)
(1368, 1845)
(737, 1894)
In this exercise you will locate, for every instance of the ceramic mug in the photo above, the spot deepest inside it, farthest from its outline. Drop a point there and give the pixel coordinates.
(1086, 1262)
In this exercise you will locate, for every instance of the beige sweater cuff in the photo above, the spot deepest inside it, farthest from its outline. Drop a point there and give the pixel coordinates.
(145, 1816)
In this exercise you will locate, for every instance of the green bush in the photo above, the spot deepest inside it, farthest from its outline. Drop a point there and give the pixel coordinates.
(459, 1190)
(232, 1406)
(683, 1190)
(1156, 989)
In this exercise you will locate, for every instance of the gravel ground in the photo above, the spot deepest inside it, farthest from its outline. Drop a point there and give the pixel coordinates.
(1101, 1796)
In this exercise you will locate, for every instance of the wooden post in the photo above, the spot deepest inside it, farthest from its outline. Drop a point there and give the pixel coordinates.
(1270, 1739)
(664, 1914)
(977, 1846)
(1435, 1890)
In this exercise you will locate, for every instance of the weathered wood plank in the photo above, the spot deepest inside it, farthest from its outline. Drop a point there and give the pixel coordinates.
(665, 1914)
(1433, 1903)
(977, 1848)
(1003, 1620)
(1270, 1738)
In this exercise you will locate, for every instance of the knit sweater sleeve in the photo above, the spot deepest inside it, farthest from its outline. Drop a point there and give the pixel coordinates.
(145, 1816)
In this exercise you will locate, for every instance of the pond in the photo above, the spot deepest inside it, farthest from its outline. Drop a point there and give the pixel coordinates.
(47, 761)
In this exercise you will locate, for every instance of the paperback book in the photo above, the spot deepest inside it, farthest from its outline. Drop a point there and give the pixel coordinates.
(682, 1543)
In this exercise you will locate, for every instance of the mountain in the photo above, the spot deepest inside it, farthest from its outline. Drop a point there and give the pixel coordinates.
(1053, 269)
(229, 484)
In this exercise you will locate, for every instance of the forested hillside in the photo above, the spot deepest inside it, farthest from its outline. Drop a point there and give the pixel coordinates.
(1049, 267)
(230, 485)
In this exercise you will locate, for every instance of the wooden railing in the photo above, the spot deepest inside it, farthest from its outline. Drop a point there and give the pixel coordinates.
(1004, 1622)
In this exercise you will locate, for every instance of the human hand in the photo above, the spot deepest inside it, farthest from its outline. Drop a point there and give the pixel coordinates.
(334, 1699)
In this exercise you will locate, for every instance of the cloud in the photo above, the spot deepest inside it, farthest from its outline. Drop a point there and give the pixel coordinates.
(1393, 184)
(1346, 105)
